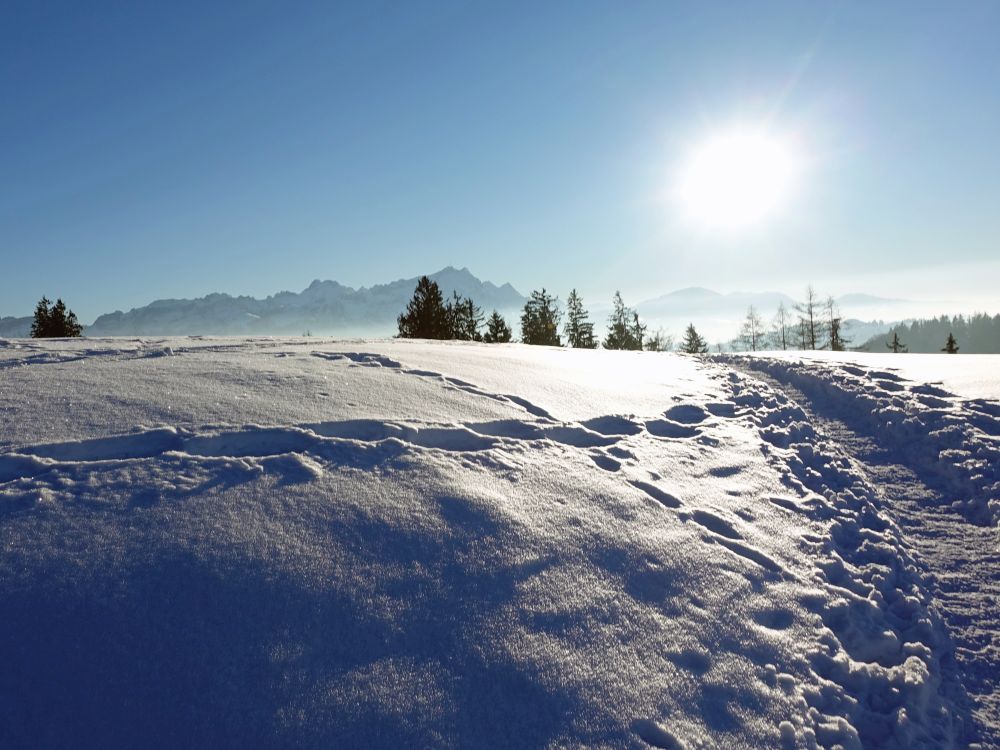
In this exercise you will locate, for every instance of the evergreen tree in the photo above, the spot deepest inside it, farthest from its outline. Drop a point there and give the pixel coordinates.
(540, 320)
(951, 346)
(497, 330)
(426, 316)
(752, 333)
(638, 331)
(837, 340)
(624, 329)
(463, 319)
(40, 326)
(693, 343)
(578, 330)
(834, 321)
(896, 345)
(54, 322)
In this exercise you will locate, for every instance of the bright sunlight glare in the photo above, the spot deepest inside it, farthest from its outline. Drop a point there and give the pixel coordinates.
(737, 180)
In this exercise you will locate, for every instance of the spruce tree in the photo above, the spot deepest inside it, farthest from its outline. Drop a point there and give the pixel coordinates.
(55, 321)
(426, 316)
(637, 331)
(835, 323)
(41, 326)
(578, 330)
(540, 320)
(896, 345)
(463, 319)
(693, 343)
(624, 329)
(951, 346)
(497, 330)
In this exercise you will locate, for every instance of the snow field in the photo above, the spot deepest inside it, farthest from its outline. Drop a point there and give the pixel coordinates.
(454, 545)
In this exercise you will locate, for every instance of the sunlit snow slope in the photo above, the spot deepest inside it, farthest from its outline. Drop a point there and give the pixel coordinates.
(303, 543)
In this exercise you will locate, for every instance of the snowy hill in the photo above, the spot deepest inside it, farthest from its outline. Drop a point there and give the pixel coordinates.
(312, 543)
(323, 307)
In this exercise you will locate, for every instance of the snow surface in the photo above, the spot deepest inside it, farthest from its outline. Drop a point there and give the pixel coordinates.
(309, 543)
(967, 375)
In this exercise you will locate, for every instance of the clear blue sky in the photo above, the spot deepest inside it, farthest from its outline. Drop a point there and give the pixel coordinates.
(157, 150)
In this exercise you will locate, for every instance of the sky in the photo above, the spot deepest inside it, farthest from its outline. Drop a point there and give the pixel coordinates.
(158, 150)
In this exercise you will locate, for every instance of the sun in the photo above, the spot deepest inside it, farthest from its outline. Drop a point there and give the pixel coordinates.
(737, 180)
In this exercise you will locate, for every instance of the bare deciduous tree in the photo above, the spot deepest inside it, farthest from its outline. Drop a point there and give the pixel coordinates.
(752, 333)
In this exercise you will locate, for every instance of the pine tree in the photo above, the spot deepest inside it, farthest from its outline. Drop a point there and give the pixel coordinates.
(497, 330)
(693, 343)
(473, 319)
(55, 321)
(896, 345)
(426, 316)
(463, 319)
(752, 333)
(624, 329)
(540, 320)
(71, 326)
(951, 346)
(637, 331)
(578, 330)
(41, 326)
(837, 341)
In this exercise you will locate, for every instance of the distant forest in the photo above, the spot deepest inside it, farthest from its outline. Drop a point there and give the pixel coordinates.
(975, 334)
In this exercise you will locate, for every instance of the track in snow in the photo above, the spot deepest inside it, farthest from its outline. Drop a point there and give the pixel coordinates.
(963, 558)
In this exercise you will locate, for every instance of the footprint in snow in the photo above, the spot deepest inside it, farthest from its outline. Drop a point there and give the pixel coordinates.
(664, 498)
(667, 429)
(715, 524)
(657, 736)
(686, 414)
(605, 462)
(778, 618)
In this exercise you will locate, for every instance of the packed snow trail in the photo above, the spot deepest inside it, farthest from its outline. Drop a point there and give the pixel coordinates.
(963, 558)
(307, 543)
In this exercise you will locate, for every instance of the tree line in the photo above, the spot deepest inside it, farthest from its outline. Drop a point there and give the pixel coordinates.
(543, 322)
(814, 323)
(978, 334)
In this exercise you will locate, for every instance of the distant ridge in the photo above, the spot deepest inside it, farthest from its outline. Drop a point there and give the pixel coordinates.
(327, 307)
(324, 307)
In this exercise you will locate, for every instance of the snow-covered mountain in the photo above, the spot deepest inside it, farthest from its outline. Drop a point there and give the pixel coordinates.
(324, 307)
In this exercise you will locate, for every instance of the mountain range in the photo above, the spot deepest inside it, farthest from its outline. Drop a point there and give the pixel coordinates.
(324, 307)
(331, 308)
